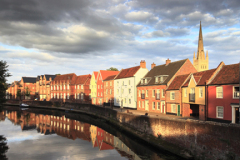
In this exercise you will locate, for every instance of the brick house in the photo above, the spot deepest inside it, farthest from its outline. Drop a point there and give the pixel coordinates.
(152, 87)
(93, 87)
(43, 86)
(28, 85)
(108, 84)
(102, 74)
(194, 93)
(82, 90)
(125, 91)
(223, 95)
(11, 92)
(174, 95)
(62, 87)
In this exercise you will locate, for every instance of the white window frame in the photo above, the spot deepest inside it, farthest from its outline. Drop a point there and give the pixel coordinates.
(234, 92)
(217, 116)
(129, 101)
(172, 95)
(173, 108)
(185, 92)
(153, 93)
(110, 91)
(158, 105)
(217, 96)
(163, 94)
(201, 92)
(153, 105)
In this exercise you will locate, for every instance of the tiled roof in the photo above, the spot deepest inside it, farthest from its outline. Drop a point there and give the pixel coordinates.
(29, 79)
(82, 79)
(178, 82)
(48, 76)
(105, 74)
(229, 74)
(170, 70)
(129, 72)
(95, 74)
(110, 77)
(201, 77)
(64, 77)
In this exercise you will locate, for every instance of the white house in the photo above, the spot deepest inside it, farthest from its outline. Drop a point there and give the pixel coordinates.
(125, 91)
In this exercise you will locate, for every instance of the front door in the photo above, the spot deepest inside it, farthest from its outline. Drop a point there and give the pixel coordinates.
(178, 113)
(162, 106)
(237, 115)
(146, 105)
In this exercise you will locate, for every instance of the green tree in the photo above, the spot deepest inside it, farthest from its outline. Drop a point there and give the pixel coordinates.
(3, 85)
(3, 148)
(112, 69)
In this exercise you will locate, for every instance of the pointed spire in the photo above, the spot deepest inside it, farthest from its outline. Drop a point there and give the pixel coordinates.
(200, 52)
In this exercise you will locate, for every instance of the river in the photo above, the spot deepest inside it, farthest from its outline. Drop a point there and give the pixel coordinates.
(35, 134)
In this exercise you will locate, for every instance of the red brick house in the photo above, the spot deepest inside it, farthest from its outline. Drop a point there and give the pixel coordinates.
(28, 86)
(223, 95)
(43, 86)
(82, 90)
(102, 74)
(174, 95)
(152, 88)
(108, 84)
(63, 87)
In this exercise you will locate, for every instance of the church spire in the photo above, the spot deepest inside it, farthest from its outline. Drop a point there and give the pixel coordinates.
(200, 52)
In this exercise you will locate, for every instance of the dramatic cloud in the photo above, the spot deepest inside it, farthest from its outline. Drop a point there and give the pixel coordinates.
(49, 36)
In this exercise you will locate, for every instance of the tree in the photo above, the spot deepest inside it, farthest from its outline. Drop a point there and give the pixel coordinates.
(3, 85)
(3, 148)
(112, 69)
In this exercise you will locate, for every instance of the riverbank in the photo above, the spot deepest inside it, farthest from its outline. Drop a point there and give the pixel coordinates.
(180, 136)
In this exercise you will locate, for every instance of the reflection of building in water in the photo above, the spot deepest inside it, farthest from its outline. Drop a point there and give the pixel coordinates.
(2, 116)
(124, 150)
(93, 131)
(43, 124)
(12, 116)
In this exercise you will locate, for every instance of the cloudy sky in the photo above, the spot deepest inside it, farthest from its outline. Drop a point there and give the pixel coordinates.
(81, 36)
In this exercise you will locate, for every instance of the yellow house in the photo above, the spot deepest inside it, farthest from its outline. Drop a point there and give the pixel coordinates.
(93, 131)
(93, 87)
(193, 93)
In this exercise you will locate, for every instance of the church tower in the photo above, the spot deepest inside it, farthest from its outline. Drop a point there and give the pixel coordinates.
(200, 62)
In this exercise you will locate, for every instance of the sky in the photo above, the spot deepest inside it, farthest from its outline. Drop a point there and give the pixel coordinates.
(81, 36)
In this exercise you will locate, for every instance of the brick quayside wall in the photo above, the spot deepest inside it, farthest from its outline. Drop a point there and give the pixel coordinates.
(209, 139)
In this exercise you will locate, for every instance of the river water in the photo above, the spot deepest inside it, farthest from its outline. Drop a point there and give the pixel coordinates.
(53, 135)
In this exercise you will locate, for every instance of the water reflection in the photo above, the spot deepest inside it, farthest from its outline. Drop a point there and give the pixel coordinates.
(59, 124)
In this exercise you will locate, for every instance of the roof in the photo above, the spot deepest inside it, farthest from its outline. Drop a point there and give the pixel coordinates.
(82, 79)
(50, 76)
(110, 77)
(129, 72)
(170, 70)
(64, 77)
(229, 74)
(201, 77)
(178, 82)
(29, 79)
(95, 74)
(105, 73)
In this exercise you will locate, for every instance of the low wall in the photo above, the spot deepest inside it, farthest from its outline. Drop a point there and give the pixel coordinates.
(204, 139)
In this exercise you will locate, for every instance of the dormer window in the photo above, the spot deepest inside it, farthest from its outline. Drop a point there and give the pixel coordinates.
(145, 80)
(160, 78)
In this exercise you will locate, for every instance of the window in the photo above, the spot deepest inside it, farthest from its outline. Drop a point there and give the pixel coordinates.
(153, 93)
(75, 86)
(156, 79)
(106, 83)
(129, 90)
(235, 92)
(219, 112)
(200, 92)
(101, 86)
(64, 96)
(101, 93)
(110, 83)
(173, 108)
(129, 101)
(82, 87)
(110, 91)
(172, 95)
(153, 105)
(129, 82)
(82, 96)
(139, 104)
(68, 96)
(219, 92)
(163, 93)
(158, 105)
(118, 83)
(68, 86)
(106, 91)
(185, 92)
(146, 93)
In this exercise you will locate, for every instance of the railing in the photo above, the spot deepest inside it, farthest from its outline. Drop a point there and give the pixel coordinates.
(143, 96)
(191, 97)
(157, 96)
(236, 94)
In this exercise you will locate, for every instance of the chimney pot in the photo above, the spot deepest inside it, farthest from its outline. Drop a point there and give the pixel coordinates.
(168, 61)
(153, 65)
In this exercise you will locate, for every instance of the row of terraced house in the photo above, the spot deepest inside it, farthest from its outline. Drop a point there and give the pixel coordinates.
(180, 88)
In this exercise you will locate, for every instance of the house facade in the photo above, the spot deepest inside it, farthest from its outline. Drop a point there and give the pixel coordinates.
(93, 87)
(62, 87)
(108, 84)
(43, 86)
(174, 95)
(223, 95)
(152, 88)
(125, 91)
(28, 87)
(82, 90)
(102, 74)
(194, 93)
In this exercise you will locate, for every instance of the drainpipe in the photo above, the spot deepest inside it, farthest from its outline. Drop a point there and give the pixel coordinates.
(206, 101)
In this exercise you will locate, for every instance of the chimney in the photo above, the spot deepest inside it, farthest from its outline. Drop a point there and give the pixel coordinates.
(153, 65)
(168, 61)
(143, 64)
